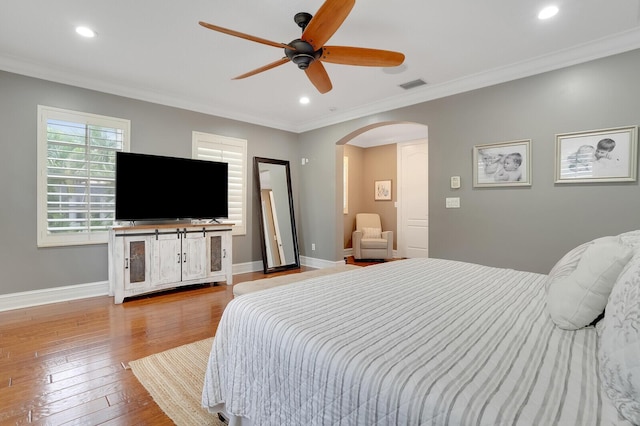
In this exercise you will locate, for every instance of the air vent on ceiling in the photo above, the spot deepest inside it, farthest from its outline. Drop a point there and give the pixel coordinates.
(413, 84)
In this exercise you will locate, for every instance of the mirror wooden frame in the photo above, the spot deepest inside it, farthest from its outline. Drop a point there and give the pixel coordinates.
(269, 253)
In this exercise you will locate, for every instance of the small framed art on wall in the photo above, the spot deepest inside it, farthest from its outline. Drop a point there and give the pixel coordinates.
(502, 164)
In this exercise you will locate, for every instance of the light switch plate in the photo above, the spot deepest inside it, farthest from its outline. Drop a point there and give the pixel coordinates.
(452, 202)
(455, 182)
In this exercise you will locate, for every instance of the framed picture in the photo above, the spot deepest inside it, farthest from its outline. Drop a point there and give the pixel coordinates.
(502, 164)
(607, 155)
(382, 190)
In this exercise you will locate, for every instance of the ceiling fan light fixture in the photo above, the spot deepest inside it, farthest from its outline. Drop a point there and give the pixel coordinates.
(302, 60)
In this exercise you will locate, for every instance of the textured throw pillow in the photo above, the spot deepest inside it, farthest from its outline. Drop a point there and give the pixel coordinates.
(630, 239)
(619, 348)
(576, 300)
(371, 233)
(568, 263)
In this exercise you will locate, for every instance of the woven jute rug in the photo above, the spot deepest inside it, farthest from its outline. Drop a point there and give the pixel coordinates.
(175, 378)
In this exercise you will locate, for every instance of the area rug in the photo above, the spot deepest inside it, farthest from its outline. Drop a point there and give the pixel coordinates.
(175, 378)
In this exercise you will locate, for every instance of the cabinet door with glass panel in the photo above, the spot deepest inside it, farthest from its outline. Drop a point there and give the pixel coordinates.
(137, 262)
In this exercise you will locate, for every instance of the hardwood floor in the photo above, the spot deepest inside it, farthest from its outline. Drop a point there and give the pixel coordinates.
(65, 363)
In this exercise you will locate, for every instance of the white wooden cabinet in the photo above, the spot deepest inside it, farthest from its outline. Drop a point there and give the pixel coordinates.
(144, 259)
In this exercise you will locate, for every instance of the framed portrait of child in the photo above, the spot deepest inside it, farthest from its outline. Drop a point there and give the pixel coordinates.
(607, 155)
(502, 164)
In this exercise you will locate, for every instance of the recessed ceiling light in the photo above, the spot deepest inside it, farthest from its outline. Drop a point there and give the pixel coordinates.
(548, 12)
(85, 32)
(304, 100)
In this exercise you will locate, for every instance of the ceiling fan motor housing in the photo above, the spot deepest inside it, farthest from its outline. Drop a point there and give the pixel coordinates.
(303, 55)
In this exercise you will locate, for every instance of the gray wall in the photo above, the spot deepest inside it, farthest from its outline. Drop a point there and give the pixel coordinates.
(155, 129)
(523, 228)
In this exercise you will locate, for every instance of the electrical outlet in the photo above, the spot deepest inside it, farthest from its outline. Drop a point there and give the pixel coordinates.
(313, 246)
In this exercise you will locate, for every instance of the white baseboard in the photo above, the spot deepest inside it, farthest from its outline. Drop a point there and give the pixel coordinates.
(27, 299)
(243, 268)
(319, 263)
(304, 261)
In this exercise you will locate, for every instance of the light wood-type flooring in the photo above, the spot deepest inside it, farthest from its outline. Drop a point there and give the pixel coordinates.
(64, 363)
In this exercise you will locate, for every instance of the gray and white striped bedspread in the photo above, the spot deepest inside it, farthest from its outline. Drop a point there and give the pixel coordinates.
(412, 342)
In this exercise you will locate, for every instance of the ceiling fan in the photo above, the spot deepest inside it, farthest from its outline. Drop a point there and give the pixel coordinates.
(308, 52)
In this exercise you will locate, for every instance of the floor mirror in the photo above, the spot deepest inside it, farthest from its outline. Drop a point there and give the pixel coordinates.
(277, 221)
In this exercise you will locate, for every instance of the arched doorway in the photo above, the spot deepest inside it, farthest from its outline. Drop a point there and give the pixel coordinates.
(387, 151)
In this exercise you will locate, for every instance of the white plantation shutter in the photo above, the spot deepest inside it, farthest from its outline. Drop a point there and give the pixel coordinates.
(76, 175)
(232, 151)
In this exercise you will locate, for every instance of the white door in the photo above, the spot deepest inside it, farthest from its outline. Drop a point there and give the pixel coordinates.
(194, 256)
(413, 199)
(166, 258)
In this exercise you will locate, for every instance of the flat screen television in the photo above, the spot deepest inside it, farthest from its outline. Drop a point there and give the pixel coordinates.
(152, 187)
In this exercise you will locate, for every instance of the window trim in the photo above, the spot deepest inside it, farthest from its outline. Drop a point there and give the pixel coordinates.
(46, 113)
(218, 142)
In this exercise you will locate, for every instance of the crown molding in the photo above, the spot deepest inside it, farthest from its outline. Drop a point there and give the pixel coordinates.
(69, 77)
(608, 46)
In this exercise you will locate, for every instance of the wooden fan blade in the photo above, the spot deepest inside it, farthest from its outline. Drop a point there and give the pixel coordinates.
(326, 21)
(319, 77)
(244, 36)
(264, 68)
(361, 56)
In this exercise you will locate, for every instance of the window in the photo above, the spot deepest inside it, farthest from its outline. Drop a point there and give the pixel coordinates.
(234, 152)
(76, 175)
(345, 185)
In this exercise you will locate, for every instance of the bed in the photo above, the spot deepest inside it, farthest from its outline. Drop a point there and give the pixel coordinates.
(410, 342)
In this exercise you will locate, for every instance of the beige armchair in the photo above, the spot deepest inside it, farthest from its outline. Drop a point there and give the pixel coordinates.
(369, 240)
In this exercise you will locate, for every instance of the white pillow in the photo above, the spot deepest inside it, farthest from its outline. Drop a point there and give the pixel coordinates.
(371, 233)
(619, 345)
(576, 300)
(569, 262)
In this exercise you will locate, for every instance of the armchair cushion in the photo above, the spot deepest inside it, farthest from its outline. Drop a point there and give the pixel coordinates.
(374, 243)
(368, 233)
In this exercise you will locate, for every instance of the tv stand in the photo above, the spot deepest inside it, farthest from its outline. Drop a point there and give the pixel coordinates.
(149, 258)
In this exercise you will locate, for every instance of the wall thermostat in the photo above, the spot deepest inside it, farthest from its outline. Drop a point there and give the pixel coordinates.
(455, 182)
